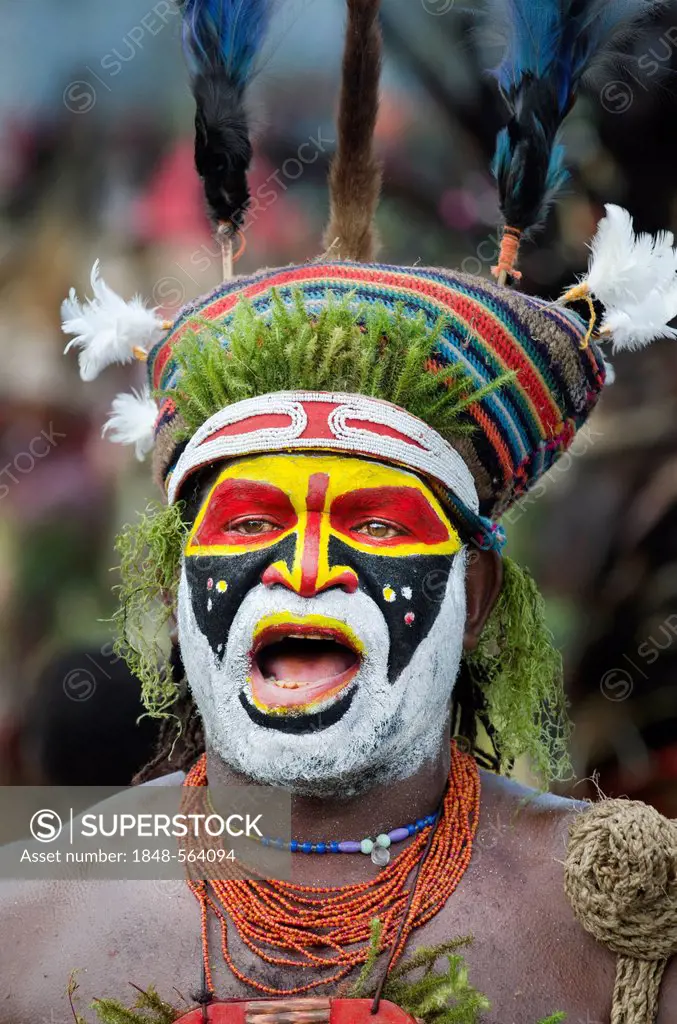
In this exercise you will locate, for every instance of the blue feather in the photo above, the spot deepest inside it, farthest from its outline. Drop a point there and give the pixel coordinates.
(222, 40)
(549, 46)
(225, 35)
(563, 37)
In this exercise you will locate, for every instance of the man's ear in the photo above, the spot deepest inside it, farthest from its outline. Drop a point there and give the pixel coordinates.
(483, 583)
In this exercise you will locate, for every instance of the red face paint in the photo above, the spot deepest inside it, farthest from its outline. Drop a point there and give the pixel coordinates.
(402, 507)
(244, 499)
(310, 555)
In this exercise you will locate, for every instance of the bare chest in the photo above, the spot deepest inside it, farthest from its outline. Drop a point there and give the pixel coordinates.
(527, 956)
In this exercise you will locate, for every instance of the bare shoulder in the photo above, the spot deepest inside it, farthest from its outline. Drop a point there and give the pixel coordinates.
(521, 851)
(529, 954)
(531, 827)
(112, 933)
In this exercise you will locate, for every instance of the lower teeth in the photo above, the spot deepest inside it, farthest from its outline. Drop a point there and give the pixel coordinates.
(285, 684)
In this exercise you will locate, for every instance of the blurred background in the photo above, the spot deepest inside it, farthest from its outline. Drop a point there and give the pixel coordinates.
(96, 162)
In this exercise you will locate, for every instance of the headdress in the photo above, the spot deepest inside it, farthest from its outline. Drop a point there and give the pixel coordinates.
(477, 387)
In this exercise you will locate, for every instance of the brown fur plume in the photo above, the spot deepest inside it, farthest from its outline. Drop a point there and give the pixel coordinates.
(355, 175)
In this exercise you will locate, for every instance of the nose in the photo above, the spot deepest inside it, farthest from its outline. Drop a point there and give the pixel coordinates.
(311, 573)
(278, 574)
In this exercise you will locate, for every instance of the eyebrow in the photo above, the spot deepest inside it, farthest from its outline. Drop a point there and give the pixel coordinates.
(414, 510)
(251, 495)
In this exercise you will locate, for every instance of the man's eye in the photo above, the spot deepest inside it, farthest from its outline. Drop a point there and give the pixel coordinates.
(252, 527)
(378, 530)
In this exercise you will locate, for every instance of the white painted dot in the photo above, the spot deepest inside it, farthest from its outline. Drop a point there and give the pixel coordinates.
(406, 592)
(209, 604)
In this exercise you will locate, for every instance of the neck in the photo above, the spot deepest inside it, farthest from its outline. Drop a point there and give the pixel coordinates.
(376, 810)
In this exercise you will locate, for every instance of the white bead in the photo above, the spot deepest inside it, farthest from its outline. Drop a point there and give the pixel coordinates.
(380, 856)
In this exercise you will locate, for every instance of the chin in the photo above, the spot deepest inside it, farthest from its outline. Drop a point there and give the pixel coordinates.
(340, 726)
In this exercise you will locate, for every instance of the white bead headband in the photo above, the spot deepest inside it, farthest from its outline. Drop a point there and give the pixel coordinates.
(297, 420)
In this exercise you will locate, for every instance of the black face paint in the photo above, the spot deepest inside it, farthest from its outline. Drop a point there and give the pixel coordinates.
(409, 618)
(215, 608)
(407, 588)
(300, 723)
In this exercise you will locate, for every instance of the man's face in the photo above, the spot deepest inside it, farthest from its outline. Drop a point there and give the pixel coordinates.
(321, 619)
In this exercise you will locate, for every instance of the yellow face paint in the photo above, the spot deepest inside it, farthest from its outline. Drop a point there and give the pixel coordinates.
(364, 551)
(319, 623)
(372, 507)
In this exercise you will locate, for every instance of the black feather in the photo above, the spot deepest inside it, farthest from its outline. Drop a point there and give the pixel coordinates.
(549, 46)
(223, 150)
(222, 39)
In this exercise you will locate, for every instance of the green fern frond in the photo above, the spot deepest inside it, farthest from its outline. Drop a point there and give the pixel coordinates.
(369, 965)
(427, 956)
(150, 1002)
(445, 997)
(108, 1011)
(519, 671)
(361, 348)
(148, 1008)
(434, 997)
(150, 557)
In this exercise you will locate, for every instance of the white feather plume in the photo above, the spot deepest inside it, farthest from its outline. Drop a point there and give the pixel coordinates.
(623, 266)
(132, 421)
(609, 373)
(106, 328)
(636, 325)
(634, 277)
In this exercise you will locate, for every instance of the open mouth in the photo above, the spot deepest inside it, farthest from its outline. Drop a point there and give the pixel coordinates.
(296, 666)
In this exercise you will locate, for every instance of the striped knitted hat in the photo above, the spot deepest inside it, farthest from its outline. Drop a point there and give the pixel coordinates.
(521, 428)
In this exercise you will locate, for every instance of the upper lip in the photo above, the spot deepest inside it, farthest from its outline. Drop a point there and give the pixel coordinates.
(272, 634)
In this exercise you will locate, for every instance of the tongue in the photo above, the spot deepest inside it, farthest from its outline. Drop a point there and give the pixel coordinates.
(305, 661)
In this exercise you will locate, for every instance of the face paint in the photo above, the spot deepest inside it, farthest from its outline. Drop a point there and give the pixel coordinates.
(320, 655)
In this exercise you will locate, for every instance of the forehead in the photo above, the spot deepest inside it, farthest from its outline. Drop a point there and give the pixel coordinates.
(344, 473)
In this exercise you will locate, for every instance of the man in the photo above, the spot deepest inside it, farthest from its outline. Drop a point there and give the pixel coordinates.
(356, 771)
(337, 443)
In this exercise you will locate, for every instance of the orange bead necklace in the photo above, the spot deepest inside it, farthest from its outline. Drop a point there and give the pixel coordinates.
(329, 927)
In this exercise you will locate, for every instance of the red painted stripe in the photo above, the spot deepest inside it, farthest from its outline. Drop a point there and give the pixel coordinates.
(261, 421)
(237, 499)
(310, 555)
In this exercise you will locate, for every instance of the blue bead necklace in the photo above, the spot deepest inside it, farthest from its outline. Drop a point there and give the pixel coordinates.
(378, 849)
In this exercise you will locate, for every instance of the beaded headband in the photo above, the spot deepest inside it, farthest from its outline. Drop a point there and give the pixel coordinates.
(303, 421)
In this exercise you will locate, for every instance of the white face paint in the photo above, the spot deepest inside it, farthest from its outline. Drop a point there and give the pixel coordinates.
(392, 725)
